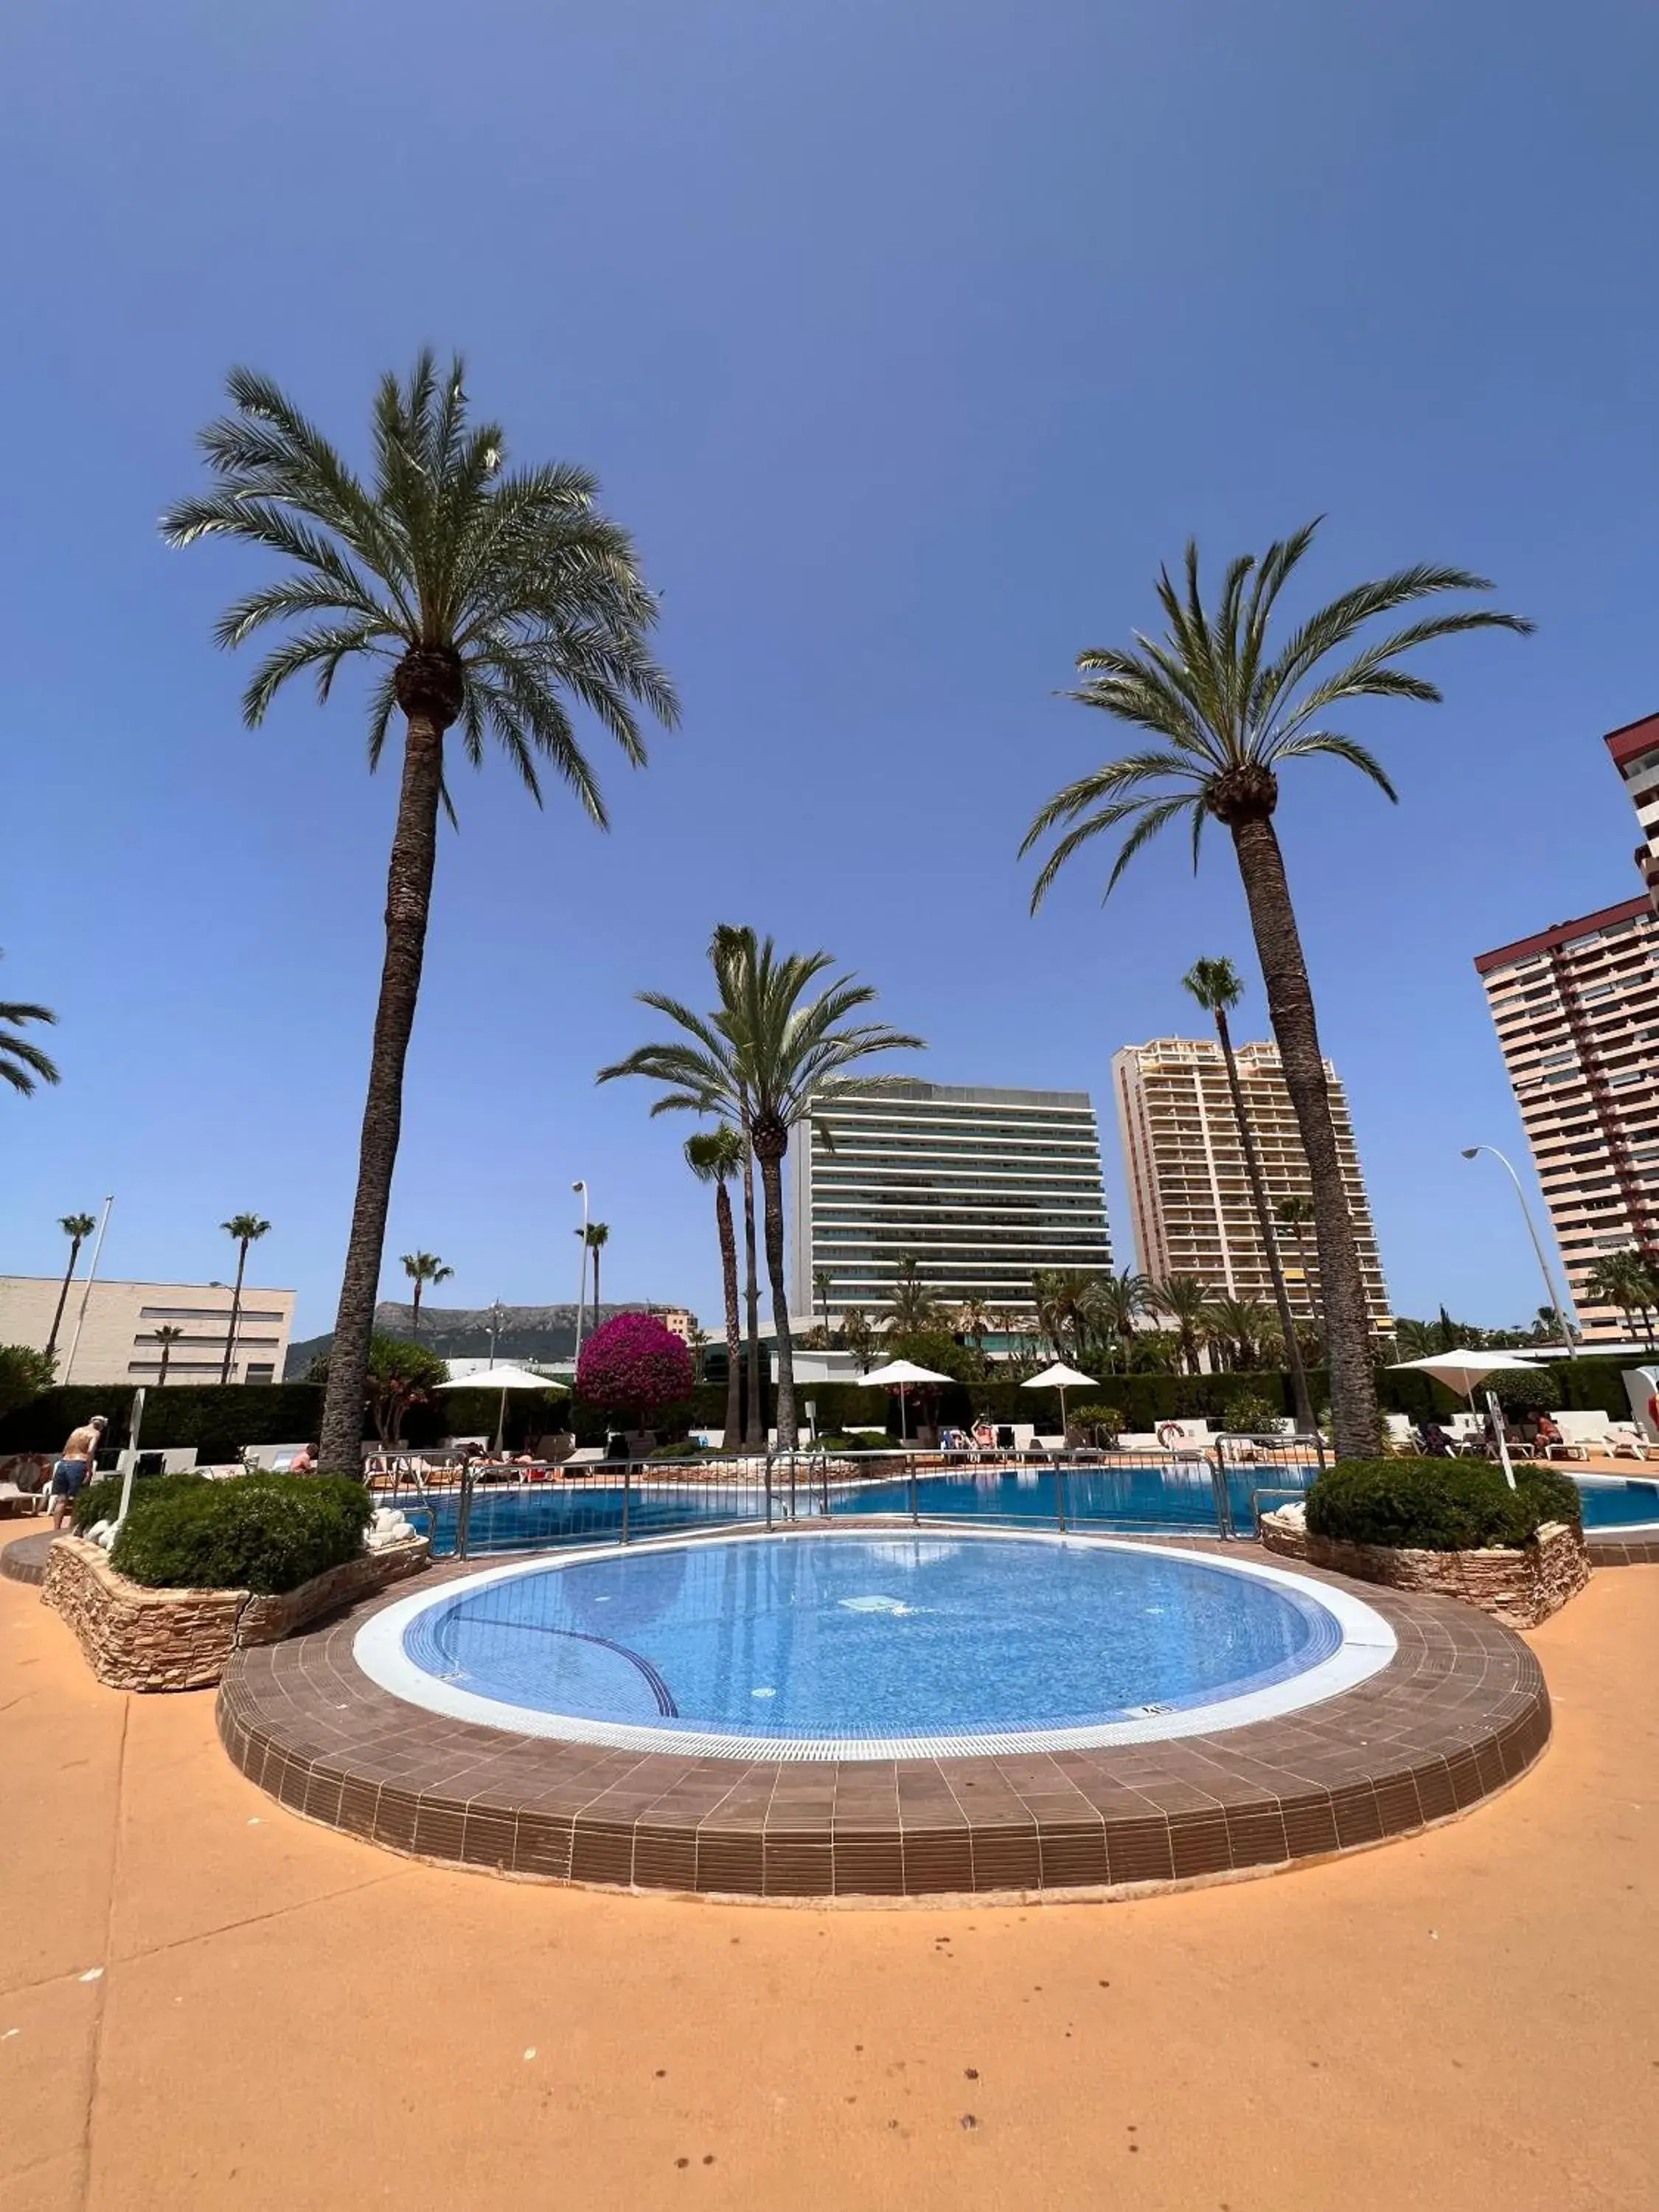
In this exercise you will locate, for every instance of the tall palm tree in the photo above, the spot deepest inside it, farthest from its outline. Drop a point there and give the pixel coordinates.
(166, 1336)
(598, 1234)
(1242, 1328)
(821, 1293)
(768, 1055)
(22, 1063)
(973, 1320)
(1231, 716)
(422, 1268)
(77, 1227)
(1186, 1300)
(247, 1229)
(915, 1309)
(1217, 987)
(1122, 1298)
(1622, 1280)
(857, 1337)
(1068, 1306)
(715, 1156)
(483, 598)
(1296, 1213)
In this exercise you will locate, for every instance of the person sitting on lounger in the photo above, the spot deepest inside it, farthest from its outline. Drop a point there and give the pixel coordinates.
(1433, 1441)
(1546, 1436)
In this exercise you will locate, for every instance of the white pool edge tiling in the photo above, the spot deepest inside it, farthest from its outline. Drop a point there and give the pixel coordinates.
(1368, 1644)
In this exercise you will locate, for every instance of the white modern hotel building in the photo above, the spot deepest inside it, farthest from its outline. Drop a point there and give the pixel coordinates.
(979, 1187)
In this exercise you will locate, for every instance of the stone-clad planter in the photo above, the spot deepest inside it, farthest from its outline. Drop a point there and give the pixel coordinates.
(136, 1638)
(1519, 1587)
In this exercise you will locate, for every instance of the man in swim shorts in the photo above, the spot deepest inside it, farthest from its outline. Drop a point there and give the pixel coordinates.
(76, 1464)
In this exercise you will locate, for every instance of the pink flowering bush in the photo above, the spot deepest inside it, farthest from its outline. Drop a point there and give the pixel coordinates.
(634, 1365)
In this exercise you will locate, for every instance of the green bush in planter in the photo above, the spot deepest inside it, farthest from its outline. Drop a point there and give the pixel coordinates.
(263, 1532)
(1437, 1504)
(101, 1500)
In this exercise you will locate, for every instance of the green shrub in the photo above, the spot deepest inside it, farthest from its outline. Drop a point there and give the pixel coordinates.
(101, 1500)
(1437, 1504)
(1249, 1415)
(1103, 1423)
(686, 1448)
(264, 1533)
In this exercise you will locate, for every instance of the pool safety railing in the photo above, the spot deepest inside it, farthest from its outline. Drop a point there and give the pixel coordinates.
(1214, 1488)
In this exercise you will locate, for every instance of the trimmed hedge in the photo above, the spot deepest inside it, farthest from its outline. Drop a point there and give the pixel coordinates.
(1438, 1504)
(263, 1532)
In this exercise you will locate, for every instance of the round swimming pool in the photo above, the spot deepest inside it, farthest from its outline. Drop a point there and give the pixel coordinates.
(874, 1647)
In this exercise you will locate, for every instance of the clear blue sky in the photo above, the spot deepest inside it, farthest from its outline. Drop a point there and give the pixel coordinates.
(908, 341)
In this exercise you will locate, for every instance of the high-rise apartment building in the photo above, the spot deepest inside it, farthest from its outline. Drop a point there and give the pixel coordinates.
(1189, 1191)
(1635, 750)
(981, 1188)
(1577, 1009)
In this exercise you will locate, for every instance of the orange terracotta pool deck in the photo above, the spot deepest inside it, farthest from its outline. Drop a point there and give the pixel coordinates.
(205, 2001)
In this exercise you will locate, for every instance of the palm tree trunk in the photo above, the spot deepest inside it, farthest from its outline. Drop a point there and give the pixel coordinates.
(755, 1427)
(1304, 1415)
(596, 1287)
(167, 1355)
(63, 1297)
(771, 1164)
(1318, 1305)
(733, 1325)
(1289, 1002)
(235, 1313)
(409, 899)
(415, 1314)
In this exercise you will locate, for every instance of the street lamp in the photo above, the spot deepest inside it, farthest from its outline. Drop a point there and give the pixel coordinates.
(1472, 1151)
(581, 1292)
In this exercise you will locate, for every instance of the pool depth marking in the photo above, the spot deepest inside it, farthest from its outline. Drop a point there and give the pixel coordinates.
(1368, 1644)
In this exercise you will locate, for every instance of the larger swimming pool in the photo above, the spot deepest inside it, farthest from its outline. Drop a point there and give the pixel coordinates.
(1178, 1499)
(864, 1646)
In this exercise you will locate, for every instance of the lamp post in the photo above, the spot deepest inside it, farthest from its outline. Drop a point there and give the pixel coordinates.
(581, 1292)
(1471, 1152)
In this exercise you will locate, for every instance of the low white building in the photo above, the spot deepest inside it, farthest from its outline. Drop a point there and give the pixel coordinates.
(118, 1340)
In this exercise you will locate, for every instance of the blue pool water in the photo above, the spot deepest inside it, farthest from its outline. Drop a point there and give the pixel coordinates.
(861, 1638)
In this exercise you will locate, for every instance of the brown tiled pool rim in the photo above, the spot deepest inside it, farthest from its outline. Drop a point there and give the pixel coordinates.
(1460, 1712)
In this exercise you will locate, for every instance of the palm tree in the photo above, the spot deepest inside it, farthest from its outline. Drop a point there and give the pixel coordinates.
(247, 1229)
(1296, 1214)
(767, 1056)
(166, 1336)
(1068, 1301)
(1186, 1300)
(821, 1293)
(598, 1234)
(857, 1337)
(487, 599)
(1242, 1329)
(1623, 1279)
(715, 1156)
(77, 1227)
(973, 1320)
(1011, 1323)
(422, 1268)
(915, 1309)
(1231, 718)
(1122, 1298)
(22, 1064)
(1217, 988)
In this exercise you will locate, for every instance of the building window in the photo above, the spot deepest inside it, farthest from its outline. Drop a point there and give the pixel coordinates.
(262, 1371)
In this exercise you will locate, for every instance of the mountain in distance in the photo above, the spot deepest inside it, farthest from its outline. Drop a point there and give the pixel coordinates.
(526, 1333)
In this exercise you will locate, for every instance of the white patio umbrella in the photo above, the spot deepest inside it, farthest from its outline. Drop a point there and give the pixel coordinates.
(1461, 1369)
(899, 1374)
(503, 1378)
(1062, 1378)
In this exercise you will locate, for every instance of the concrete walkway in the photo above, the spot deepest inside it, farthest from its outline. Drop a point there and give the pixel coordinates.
(206, 2003)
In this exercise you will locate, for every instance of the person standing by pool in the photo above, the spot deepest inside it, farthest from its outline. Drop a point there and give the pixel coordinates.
(72, 1470)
